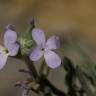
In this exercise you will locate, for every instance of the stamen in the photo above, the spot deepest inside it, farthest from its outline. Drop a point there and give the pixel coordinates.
(5, 50)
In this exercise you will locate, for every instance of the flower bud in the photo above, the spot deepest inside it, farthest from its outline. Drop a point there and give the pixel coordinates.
(25, 40)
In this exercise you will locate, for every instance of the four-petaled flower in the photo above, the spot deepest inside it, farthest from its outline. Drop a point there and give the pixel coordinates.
(10, 46)
(45, 48)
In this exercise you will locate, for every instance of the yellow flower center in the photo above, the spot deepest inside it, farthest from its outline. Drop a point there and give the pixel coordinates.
(5, 51)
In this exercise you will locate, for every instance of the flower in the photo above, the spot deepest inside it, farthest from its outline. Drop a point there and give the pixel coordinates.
(10, 46)
(45, 48)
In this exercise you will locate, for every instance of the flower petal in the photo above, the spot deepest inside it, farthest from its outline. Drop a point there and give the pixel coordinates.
(36, 54)
(52, 59)
(13, 49)
(53, 42)
(39, 37)
(1, 49)
(10, 37)
(3, 60)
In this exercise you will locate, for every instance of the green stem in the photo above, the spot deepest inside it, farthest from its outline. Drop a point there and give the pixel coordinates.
(44, 69)
(31, 68)
(56, 91)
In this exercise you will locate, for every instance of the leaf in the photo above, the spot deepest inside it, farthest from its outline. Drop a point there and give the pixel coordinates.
(83, 82)
(90, 65)
(70, 76)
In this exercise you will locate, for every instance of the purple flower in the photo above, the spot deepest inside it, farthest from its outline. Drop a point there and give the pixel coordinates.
(45, 48)
(10, 46)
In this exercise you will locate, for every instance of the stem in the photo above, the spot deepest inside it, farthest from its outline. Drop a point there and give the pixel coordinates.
(31, 68)
(44, 70)
(53, 88)
(42, 80)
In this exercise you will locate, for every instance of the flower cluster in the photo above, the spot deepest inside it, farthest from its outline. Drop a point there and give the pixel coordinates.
(43, 48)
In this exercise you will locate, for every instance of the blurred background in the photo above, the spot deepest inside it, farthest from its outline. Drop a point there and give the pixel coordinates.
(61, 17)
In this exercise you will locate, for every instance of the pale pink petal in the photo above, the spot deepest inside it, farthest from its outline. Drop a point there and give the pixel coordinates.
(53, 42)
(10, 37)
(36, 54)
(38, 36)
(52, 59)
(3, 60)
(13, 49)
